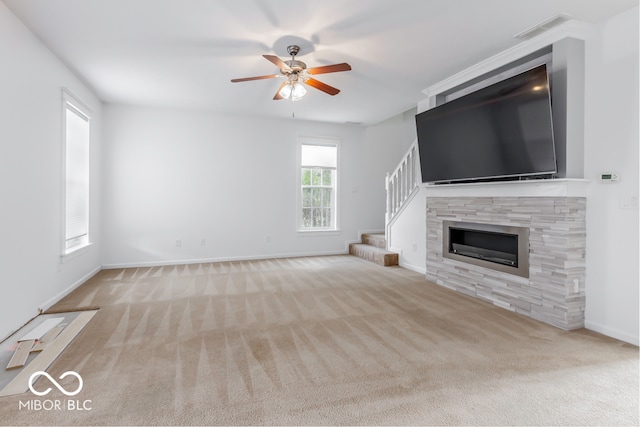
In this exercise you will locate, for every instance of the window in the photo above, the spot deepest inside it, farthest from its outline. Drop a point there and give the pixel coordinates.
(76, 173)
(318, 186)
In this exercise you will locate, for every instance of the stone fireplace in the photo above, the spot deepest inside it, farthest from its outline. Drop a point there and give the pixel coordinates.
(548, 286)
(500, 247)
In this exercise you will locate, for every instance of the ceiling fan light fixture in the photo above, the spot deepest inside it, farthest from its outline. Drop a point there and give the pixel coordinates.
(297, 91)
(285, 92)
(293, 90)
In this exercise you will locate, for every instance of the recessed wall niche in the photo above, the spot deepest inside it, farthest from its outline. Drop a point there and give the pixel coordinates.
(566, 61)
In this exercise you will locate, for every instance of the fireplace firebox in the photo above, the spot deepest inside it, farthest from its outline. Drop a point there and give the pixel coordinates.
(499, 247)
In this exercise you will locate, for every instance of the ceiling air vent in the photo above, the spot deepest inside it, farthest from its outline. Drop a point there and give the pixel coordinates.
(543, 26)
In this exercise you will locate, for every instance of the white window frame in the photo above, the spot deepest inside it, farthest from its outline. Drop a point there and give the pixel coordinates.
(74, 105)
(326, 141)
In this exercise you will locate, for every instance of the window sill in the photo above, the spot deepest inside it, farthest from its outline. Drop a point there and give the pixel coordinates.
(75, 252)
(319, 232)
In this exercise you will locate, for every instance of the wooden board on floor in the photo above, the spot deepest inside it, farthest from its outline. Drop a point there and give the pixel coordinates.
(71, 310)
(47, 338)
(19, 384)
(21, 354)
(40, 330)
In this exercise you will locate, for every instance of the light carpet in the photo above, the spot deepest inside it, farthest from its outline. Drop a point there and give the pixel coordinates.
(323, 341)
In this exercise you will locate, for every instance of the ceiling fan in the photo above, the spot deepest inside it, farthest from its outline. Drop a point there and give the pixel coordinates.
(295, 73)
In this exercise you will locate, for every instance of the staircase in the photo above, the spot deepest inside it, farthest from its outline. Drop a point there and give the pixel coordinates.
(401, 187)
(373, 248)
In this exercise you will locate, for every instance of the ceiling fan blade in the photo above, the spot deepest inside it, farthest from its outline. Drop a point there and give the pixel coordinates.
(246, 79)
(330, 68)
(277, 95)
(323, 87)
(277, 61)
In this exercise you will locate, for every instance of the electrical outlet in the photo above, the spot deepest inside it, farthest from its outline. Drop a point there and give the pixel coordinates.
(203, 242)
(414, 247)
(178, 243)
(268, 239)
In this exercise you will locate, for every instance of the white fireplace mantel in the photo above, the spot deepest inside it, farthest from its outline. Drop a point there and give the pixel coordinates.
(565, 187)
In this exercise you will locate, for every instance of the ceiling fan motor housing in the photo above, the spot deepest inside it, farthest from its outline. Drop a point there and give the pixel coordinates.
(295, 65)
(293, 49)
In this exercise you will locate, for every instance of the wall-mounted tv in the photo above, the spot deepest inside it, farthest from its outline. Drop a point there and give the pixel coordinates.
(503, 131)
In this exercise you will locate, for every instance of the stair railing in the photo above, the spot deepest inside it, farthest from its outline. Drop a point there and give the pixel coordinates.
(401, 184)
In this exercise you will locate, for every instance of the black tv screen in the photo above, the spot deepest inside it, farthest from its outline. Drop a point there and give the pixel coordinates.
(501, 131)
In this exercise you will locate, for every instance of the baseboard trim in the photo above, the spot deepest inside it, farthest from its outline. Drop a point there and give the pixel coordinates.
(221, 259)
(611, 332)
(414, 268)
(51, 301)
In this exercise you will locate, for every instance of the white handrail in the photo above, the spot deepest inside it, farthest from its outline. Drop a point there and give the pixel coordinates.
(401, 183)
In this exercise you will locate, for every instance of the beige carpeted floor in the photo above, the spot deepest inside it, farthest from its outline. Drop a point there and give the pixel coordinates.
(327, 340)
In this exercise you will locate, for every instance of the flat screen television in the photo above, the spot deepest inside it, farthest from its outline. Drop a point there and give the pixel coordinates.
(503, 131)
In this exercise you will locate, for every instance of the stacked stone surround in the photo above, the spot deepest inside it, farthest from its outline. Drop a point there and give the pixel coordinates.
(554, 293)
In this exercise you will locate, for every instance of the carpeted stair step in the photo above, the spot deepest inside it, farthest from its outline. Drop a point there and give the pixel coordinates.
(374, 254)
(376, 240)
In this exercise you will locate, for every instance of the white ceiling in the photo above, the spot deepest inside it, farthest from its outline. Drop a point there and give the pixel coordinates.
(183, 53)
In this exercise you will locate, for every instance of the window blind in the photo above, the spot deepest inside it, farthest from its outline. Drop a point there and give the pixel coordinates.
(77, 178)
(321, 156)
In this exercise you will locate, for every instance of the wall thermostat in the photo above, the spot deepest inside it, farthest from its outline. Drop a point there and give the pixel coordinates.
(609, 177)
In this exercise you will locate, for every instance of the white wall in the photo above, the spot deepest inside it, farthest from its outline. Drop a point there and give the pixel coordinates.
(393, 136)
(407, 233)
(31, 79)
(172, 174)
(611, 144)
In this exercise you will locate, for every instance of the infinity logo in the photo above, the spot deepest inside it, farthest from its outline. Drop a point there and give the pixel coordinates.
(58, 386)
